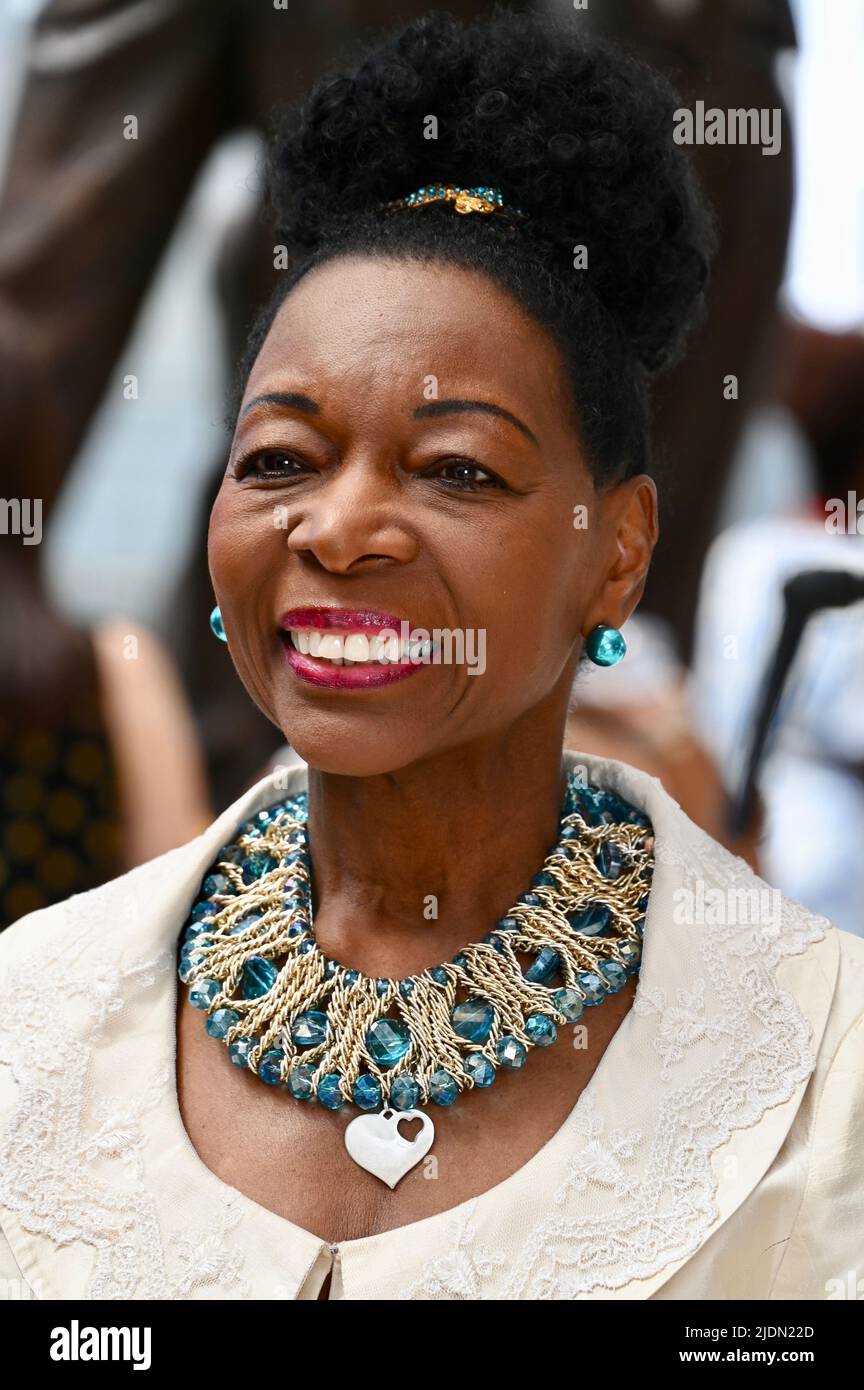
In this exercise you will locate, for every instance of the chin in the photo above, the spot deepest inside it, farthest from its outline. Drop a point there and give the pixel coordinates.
(350, 748)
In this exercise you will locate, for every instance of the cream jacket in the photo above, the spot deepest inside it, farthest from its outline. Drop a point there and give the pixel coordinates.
(715, 1153)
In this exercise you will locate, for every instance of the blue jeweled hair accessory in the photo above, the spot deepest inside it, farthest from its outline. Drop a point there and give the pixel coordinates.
(480, 199)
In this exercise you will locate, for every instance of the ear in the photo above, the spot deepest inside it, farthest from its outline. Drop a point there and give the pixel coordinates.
(630, 520)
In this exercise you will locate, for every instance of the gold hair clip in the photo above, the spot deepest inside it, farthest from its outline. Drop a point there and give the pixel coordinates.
(481, 199)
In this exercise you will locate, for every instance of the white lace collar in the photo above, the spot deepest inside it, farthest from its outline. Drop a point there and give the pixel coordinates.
(102, 1194)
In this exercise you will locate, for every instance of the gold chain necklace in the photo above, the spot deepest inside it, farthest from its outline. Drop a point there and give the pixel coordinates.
(323, 1031)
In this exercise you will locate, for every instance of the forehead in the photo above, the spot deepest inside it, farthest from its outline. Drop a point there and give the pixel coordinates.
(381, 326)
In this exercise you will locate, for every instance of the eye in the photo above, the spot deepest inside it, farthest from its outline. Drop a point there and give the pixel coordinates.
(270, 463)
(463, 473)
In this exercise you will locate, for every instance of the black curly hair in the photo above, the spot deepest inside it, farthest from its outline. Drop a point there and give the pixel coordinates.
(574, 132)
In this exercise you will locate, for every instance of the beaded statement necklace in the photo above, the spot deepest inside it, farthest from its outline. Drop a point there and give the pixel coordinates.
(321, 1031)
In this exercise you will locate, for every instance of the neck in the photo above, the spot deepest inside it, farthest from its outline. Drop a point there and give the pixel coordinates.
(409, 866)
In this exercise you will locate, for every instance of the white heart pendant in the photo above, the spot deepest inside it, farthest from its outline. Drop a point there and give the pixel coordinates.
(375, 1143)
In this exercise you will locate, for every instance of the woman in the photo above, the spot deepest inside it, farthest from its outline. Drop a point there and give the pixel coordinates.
(441, 440)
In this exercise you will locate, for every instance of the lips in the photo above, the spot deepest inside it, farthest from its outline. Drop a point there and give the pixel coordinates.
(347, 648)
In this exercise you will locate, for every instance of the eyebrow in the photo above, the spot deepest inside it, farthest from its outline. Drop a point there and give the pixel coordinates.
(295, 400)
(462, 407)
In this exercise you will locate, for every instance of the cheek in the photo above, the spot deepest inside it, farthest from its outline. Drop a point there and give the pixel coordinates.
(246, 557)
(243, 547)
(532, 587)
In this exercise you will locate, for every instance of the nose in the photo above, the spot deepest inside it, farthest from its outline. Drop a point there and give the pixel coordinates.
(352, 523)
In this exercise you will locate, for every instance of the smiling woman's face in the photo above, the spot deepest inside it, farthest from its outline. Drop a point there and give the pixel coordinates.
(356, 484)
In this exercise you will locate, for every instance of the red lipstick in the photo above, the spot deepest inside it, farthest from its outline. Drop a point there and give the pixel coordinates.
(344, 621)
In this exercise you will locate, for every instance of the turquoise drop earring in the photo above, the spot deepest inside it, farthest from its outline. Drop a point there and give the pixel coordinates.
(604, 645)
(216, 625)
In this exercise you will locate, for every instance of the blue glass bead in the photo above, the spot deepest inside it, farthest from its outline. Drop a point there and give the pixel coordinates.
(544, 880)
(309, 1028)
(387, 1041)
(569, 1003)
(366, 1092)
(473, 1019)
(381, 987)
(406, 988)
(196, 931)
(439, 974)
(250, 920)
(257, 977)
(443, 1089)
(617, 808)
(269, 1068)
(479, 1068)
(544, 967)
(297, 929)
(203, 912)
(511, 1052)
(631, 954)
(203, 992)
(611, 860)
(239, 1051)
(584, 803)
(605, 646)
(351, 977)
(300, 1082)
(189, 964)
(530, 900)
(257, 865)
(569, 833)
(329, 1092)
(615, 975)
(219, 1024)
(230, 854)
(461, 961)
(305, 947)
(404, 1093)
(331, 969)
(215, 883)
(541, 1029)
(592, 986)
(595, 920)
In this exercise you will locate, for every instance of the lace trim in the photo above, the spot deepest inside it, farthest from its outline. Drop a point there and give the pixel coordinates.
(652, 1188)
(64, 1133)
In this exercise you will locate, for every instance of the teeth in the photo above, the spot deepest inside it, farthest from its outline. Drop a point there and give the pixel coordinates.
(331, 647)
(356, 647)
(352, 649)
